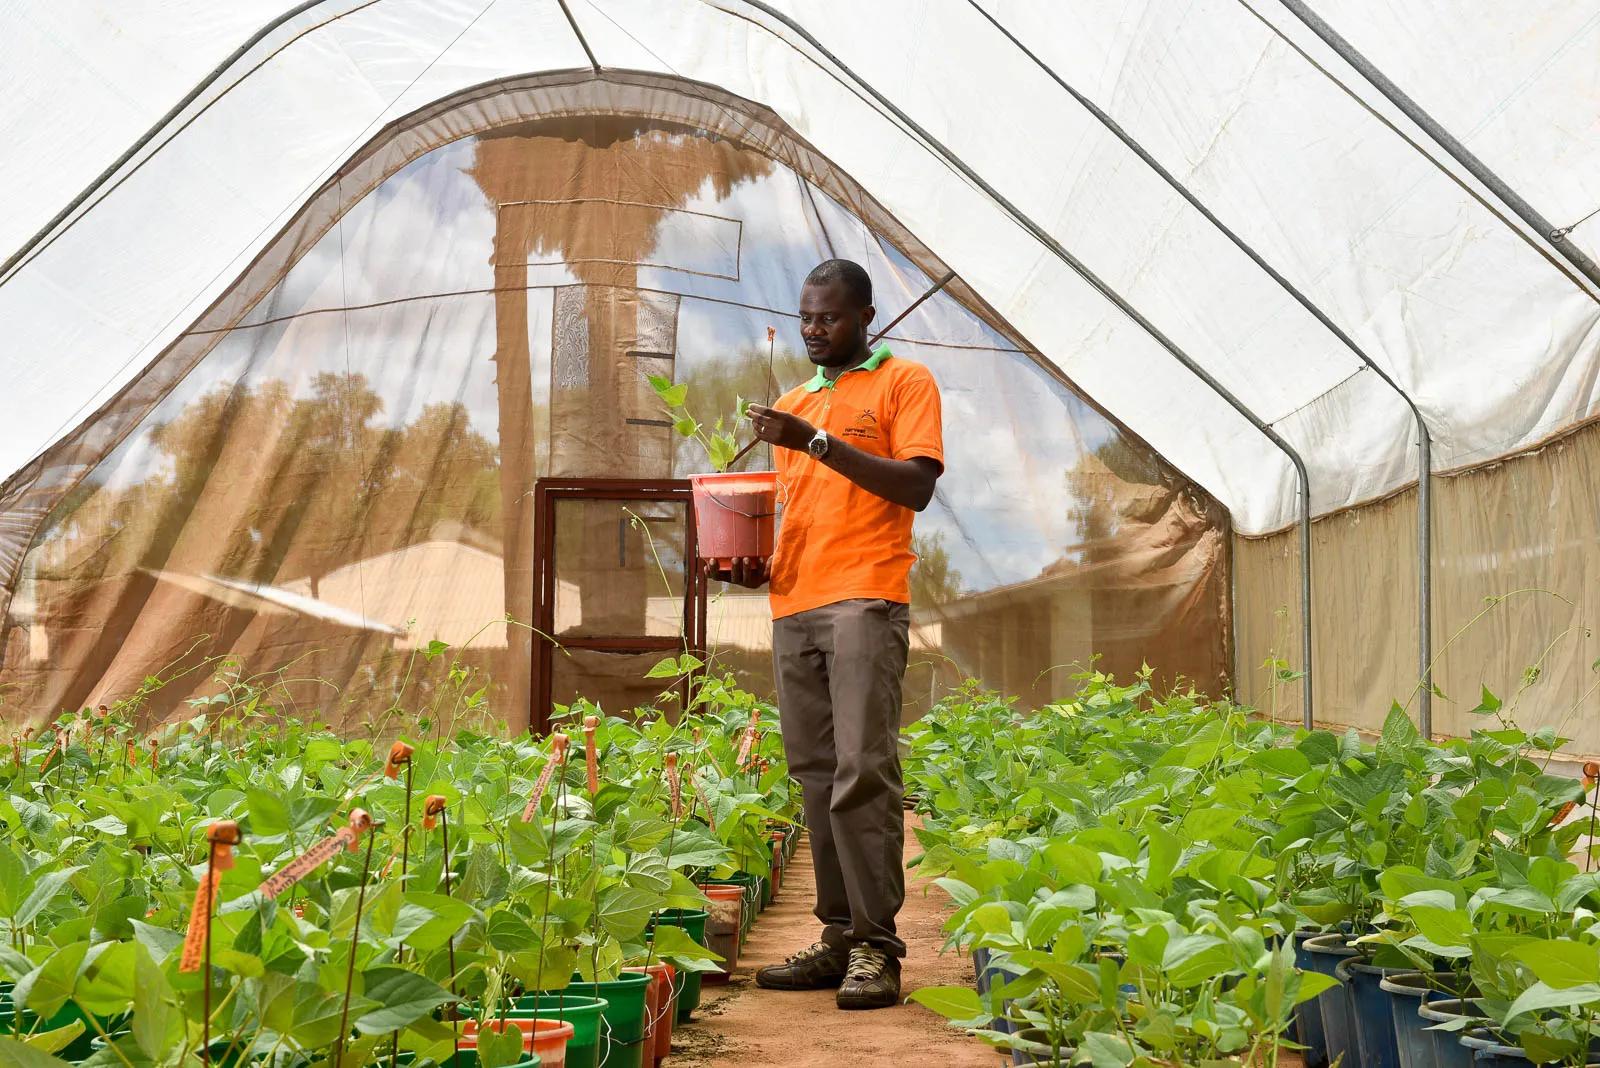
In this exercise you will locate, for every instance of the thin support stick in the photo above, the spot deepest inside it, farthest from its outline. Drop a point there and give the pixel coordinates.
(355, 939)
(205, 985)
(450, 942)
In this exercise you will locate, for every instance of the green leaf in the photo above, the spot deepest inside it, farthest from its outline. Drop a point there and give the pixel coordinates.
(1445, 927)
(44, 891)
(268, 814)
(1542, 996)
(1488, 704)
(1110, 1051)
(624, 911)
(510, 933)
(674, 944)
(991, 918)
(59, 1039)
(1561, 963)
(959, 1004)
(497, 1049)
(156, 1018)
(674, 396)
(403, 997)
(14, 1054)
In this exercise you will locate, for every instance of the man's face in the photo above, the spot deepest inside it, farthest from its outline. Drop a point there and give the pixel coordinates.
(834, 327)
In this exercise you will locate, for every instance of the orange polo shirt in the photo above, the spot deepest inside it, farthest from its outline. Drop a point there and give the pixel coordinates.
(837, 541)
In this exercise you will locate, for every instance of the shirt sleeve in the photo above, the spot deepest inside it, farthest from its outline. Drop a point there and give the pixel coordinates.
(917, 428)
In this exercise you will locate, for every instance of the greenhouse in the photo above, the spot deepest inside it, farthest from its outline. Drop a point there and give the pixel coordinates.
(382, 684)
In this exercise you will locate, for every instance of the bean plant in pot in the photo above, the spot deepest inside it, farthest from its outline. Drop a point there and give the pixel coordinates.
(735, 511)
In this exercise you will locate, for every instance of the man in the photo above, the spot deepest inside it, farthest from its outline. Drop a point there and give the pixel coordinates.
(859, 448)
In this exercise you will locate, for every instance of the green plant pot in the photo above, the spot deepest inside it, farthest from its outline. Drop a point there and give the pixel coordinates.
(584, 1013)
(693, 922)
(625, 1020)
(468, 1058)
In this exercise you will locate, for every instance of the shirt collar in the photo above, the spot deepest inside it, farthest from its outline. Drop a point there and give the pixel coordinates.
(820, 381)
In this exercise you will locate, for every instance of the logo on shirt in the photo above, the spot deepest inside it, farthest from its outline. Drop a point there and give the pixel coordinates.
(865, 426)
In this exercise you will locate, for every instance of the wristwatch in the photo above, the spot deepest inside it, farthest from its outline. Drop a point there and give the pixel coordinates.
(818, 445)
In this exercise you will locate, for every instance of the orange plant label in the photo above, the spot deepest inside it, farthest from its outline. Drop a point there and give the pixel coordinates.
(307, 862)
(590, 760)
(194, 943)
(557, 757)
(399, 753)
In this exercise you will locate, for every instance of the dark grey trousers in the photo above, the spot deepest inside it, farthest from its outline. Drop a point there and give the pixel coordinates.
(839, 670)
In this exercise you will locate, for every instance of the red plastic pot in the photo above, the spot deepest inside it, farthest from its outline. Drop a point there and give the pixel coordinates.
(661, 1004)
(723, 927)
(547, 1038)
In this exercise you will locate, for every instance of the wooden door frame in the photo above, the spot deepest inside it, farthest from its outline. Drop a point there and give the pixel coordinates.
(549, 492)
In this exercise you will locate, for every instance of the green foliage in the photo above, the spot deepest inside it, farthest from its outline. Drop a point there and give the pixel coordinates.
(101, 859)
(1135, 867)
(718, 440)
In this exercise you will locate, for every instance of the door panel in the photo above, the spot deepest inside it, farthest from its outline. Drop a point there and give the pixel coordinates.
(616, 591)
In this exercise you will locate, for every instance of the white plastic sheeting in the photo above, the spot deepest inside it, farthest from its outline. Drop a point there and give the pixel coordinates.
(1495, 336)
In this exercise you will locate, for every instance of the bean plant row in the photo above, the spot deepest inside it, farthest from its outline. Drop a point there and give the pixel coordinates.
(468, 870)
(1132, 867)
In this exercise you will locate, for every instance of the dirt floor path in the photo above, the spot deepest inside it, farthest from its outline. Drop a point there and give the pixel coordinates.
(742, 1025)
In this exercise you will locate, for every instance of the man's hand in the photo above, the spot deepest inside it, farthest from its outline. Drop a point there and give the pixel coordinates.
(750, 572)
(783, 429)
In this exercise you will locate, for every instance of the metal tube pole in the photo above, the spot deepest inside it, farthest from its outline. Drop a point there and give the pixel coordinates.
(1424, 466)
(1555, 235)
(1046, 239)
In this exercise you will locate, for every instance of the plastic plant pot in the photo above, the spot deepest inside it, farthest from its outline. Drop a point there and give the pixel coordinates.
(693, 922)
(723, 925)
(1308, 1014)
(1448, 1052)
(658, 1007)
(1324, 953)
(583, 1013)
(545, 1039)
(468, 1058)
(1406, 991)
(985, 975)
(734, 514)
(1370, 1012)
(1036, 1034)
(624, 1019)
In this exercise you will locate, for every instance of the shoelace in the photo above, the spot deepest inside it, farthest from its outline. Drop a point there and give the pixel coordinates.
(814, 950)
(866, 963)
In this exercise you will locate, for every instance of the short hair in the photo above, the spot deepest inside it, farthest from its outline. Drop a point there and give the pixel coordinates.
(849, 274)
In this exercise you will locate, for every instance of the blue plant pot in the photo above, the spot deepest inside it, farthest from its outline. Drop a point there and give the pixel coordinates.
(1338, 1032)
(1308, 1014)
(1370, 1013)
(1448, 1052)
(1407, 991)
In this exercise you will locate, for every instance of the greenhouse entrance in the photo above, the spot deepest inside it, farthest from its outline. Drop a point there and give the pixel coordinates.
(614, 590)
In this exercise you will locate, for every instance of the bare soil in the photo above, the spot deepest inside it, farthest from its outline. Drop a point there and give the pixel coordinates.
(742, 1025)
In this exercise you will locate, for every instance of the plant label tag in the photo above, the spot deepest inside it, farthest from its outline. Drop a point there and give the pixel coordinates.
(307, 862)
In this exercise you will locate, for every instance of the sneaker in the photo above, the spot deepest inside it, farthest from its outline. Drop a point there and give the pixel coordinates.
(816, 967)
(871, 980)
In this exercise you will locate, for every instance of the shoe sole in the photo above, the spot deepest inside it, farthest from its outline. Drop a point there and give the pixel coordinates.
(852, 1004)
(826, 984)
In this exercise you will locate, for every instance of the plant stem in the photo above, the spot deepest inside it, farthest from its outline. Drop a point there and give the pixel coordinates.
(205, 985)
(450, 942)
(355, 940)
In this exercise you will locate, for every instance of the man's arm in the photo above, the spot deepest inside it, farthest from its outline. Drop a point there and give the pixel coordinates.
(908, 483)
